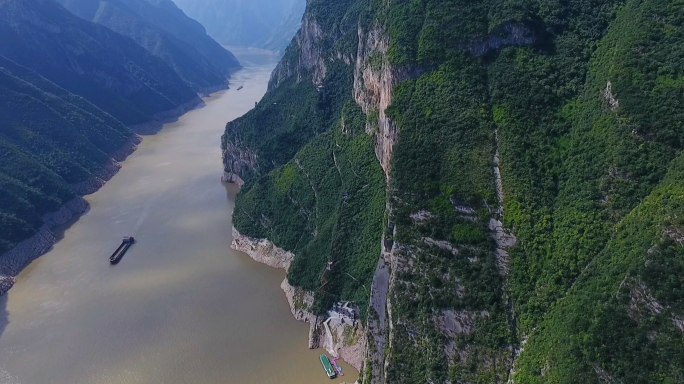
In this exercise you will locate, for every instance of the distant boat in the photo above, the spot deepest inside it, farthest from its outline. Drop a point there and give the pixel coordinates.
(240, 88)
(126, 243)
(328, 368)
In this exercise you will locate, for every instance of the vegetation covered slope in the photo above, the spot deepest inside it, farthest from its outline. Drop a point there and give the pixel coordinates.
(557, 122)
(165, 32)
(109, 70)
(268, 24)
(50, 139)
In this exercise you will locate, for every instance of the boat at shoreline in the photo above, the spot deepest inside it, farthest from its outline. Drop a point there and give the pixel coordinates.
(328, 367)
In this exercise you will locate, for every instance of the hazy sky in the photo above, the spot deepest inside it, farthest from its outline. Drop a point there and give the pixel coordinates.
(267, 24)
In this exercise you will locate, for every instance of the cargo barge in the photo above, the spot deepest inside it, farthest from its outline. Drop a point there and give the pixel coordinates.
(328, 367)
(126, 243)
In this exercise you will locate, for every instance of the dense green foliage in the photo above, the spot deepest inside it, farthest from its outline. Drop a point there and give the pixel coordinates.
(583, 102)
(320, 206)
(49, 139)
(611, 162)
(284, 121)
(165, 31)
(109, 70)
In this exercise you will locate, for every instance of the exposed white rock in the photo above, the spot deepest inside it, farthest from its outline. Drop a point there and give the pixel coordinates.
(613, 102)
(603, 375)
(374, 81)
(262, 250)
(503, 238)
(445, 245)
(232, 179)
(377, 318)
(674, 233)
(237, 159)
(641, 299)
(453, 323)
(98, 179)
(344, 336)
(310, 59)
(422, 215)
(301, 302)
(340, 334)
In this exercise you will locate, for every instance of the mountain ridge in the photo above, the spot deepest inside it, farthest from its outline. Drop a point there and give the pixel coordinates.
(171, 36)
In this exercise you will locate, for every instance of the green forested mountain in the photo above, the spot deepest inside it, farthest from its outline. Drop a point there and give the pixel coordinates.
(268, 24)
(50, 139)
(109, 70)
(515, 165)
(165, 31)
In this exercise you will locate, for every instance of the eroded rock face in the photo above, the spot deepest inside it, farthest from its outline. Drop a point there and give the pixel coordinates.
(377, 316)
(301, 304)
(237, 159)
(340, 333)
(308, 42)
(262, 250)
(503, 237)
(344, 336)
(374, 80)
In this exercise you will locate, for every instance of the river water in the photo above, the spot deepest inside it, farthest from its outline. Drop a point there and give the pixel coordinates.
(181, 307)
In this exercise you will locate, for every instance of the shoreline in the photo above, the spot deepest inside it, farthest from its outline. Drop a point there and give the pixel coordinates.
(16, 259)
(340, 338)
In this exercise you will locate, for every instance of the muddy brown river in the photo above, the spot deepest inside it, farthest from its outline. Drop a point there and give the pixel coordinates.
(181, 307)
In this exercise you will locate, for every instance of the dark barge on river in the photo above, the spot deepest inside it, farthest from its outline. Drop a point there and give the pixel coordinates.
(126, 243)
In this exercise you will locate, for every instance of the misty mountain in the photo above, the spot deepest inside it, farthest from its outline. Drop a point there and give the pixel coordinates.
(111, 71)
(166, 32)
(268, 24)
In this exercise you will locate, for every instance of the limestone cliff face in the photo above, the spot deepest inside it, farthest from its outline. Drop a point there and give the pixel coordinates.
(374, 79)
(262, 250)
(307, 56)
(237, 159)
(339, 331)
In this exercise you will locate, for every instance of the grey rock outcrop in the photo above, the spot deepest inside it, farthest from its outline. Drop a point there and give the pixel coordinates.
(237, 159)
(262, 250)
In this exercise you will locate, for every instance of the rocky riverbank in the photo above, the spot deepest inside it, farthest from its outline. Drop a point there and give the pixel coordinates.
(13, 261)
(262, 250)
(339, 333)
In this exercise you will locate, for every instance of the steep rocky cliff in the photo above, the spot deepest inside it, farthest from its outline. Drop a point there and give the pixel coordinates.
(460, 174)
